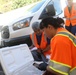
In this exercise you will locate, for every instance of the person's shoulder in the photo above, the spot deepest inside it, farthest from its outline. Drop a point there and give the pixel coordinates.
(57, 37)
(65, 7)
(60, 38)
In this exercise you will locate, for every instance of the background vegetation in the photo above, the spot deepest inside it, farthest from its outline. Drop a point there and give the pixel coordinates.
(7, 5)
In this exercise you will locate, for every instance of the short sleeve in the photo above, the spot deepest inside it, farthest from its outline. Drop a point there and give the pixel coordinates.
(60, 54)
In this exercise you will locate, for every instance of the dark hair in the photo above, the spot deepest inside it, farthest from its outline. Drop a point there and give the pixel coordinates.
(55, 22)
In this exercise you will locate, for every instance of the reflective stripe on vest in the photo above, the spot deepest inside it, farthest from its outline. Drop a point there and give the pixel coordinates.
(71, 37)
(73, 71)
(71, 18)
(59, 67)
(67, 18)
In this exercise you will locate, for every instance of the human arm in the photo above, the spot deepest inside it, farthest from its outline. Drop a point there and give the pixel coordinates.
(52, 71)
(48, 45)
(31, 46)
(46, 49)
(60, 62)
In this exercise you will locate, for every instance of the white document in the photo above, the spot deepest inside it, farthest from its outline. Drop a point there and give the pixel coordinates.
(35, 48)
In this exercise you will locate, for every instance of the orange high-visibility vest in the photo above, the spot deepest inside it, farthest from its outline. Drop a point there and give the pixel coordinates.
(43, 43)
(71, 15)
(63, 53)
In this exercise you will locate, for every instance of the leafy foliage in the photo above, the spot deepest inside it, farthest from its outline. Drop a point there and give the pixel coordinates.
(7, 5)
(21, 3)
